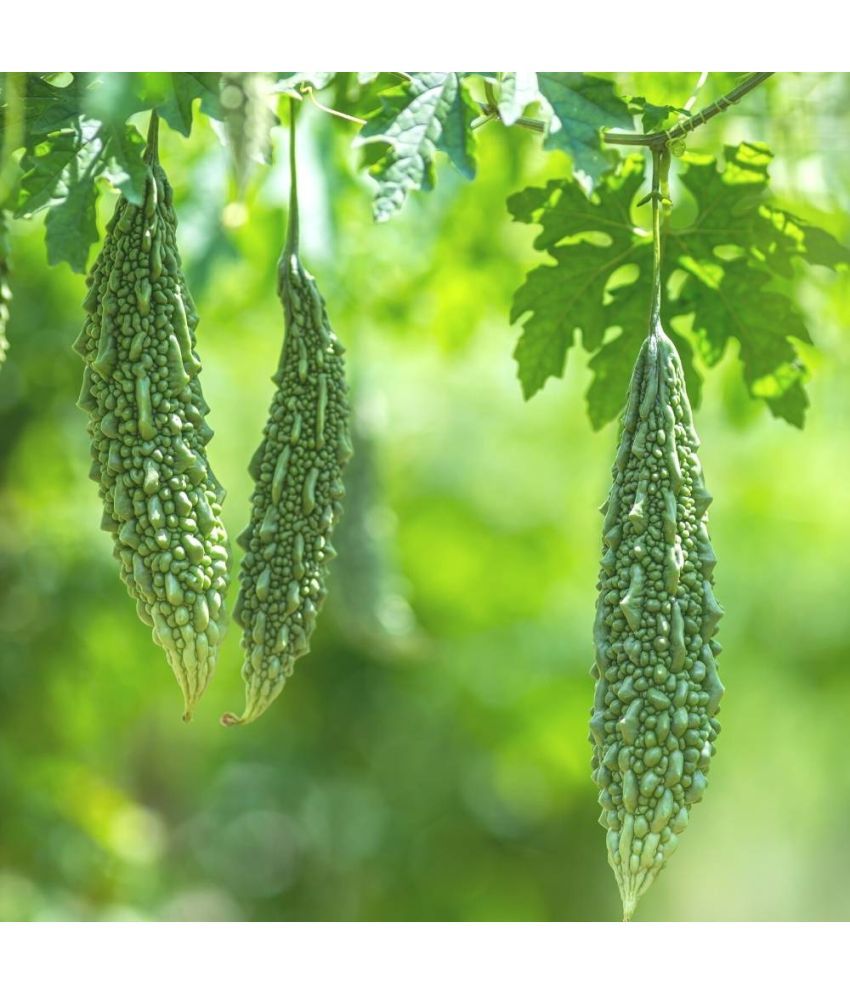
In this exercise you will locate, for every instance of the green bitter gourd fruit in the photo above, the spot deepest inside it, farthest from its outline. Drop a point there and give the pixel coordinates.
(653, 722)
(146, 410)
(5, 289)
(297, 498)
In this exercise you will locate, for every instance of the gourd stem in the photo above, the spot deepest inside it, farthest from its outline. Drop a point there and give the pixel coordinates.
(152, 147)
(660, 197)
(291, 247)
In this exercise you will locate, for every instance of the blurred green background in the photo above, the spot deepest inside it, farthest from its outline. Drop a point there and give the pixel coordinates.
(429, 760)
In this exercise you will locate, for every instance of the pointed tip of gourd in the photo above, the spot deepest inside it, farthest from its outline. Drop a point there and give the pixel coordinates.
(230, 719)
(629, 906)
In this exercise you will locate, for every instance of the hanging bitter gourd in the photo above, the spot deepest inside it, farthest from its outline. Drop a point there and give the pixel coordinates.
(5, 289)
(297, 498)
(653, 721)
(146, 410)
(657, 689)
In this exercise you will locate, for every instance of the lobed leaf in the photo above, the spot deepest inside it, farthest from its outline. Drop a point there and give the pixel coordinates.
(733, 263)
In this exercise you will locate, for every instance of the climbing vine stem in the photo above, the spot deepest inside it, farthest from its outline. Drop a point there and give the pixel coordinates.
(662, 138)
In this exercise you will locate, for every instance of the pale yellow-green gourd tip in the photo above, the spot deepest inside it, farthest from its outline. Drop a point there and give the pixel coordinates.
(653, 721)
(146, 410)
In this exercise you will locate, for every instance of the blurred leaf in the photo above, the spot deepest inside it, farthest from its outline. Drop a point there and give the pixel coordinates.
(291, 82)
(656, 117)
(518, 90)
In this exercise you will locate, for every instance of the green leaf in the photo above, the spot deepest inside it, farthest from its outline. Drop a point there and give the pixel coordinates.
(176, 108)
(430, 111)
(44, 167)
(60, 173)
(86, 151)
(122, 161)
(72, 224)
(656, 117)
(763, 321)
(582, 106)
(733, 263)
(570, 296)
(518, 91)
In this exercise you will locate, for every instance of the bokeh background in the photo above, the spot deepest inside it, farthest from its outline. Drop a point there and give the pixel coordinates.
(429, 760)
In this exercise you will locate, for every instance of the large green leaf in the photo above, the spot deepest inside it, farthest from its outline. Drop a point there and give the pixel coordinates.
(588, 241)
(733, 263)
(60, 172)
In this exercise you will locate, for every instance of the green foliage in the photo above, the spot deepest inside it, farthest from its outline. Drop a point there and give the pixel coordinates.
(426, 112)
(726, 238)
(657, 689)
(582, 106)
(146, 411)
(297, 499)
(727, 273)
(77, 133)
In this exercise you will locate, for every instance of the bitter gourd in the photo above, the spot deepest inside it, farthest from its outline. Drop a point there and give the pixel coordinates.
(297, 498)
(146, 410)
(5, 289)
(653, 721)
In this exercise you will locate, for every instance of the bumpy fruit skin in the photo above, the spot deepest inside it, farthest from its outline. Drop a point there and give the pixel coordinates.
(297, 499)
(657, 690)
(146, 410)
(5, 289)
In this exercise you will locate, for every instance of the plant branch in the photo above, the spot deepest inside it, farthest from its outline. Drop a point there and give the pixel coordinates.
(662, 138)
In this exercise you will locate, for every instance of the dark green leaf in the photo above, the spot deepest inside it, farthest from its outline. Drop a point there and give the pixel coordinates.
(123, 165)
(571, 295)
(732, 263)
(176, 109)
(72, 225)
